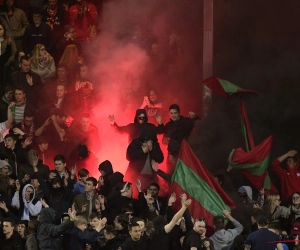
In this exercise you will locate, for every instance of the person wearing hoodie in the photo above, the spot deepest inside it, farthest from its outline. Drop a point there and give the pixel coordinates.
(49, 234)
(289, 176)
(140, 123)
(5, 168)
(28, 206)
(223, 239)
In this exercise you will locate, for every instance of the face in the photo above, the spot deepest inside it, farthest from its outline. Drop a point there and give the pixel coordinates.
(296, 199)
(10, 3)
(44, 146)
(174, 114)
(28, 121)
(7, 228)
(52, 3)
(21, 229)
(52, 175)
(68, 121)
(9, 95)
(25, 65)
(60, 91)
(83, 179)
(84, 72)
(152, 96)
(199, 227)
(107, 236)
(10, 143)
(19, 95)
(11, 182)
(82, 227)
(1, 31)
(4, 170)
(89, 187)
(135, 233)
(62, 73)
(56, 185)
(93, 33)
(128, 192)
(142, 225)
(277, 201)
(60, 166)
(28, 192)
(37, 19)
(65, 218)
(291, 163)
(141, 118)
(72, 33)
(35, 183)
(94, 222)
(154, 191)
(85, 123)
(42, 51)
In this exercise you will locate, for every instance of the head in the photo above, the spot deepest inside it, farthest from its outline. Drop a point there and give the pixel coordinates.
(70, 56)
(10, 141)
(34, 182)
(60, 163)
(105, 168)
(80, 222)
(20, 95)
(121, 222)
(10, 3)
(291, 162)
(135, 231)
(65, 217)
(128, 190)
(61, 91)
(29, 192)
(219, 179)
(90, 184)
(200, 226)
(94, 220)
(5, 168)
(42, 143)
(37, 16)
(52, 175)
(9, 93)
(154, 189)
(22, 227)
(28, 117)
(57, 183)
(92, 31)
(83, 174)
(174, 112)
(110, 232)
(262, 221)
(32, 226)
(84, 71)
(140, 116)
(52, 4)
(275, 228)
(62, 72)
(2, 31)
(245, 194)
(256, 212)
(296, 199)
(8, 227)
(25, 64)
(85, 122)
(272, 201)
(159, 222)
(152, 96)
(38, 51)
(218, 222)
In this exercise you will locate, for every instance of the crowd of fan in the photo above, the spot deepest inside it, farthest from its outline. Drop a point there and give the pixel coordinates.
(45, 125)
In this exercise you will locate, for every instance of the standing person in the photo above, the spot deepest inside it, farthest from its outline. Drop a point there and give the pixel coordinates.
(7, 98)
(290, 175)
(49, 234)
(17, 21)
(43, 63)
(82, 15)
(38, 32)
(263, 238)
(135, 241)
(223, 239)
(11, 240)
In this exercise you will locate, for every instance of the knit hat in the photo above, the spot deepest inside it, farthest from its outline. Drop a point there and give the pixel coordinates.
(5, 163)
(295, 230)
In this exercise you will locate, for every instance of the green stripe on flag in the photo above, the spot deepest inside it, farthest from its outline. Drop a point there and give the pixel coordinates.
(229, 87)
(196, 187)
(257, 168)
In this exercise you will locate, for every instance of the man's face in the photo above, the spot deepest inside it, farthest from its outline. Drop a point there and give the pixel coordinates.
(35, 183)
(4, 170)
(85, 123)
(21, 229)
(65, 218)
(174, 114)
(68, 121)
(25, 65)
(84, 72)
(296, 199)
(7, 228)
(199, 227)
(83, 179)
(28, 192)
(154, 191)
(37, 19)
(152, 96)
(135, 233)
(19, 95)
(62, 74)
(9, 96)
(141, 118)
(44, 146)
(10, 3)
(60, 166)
(52, 4)
(291, 163)
(10, 143)
(94, 223)
(60, 91)
(89, 186)
(107, 235)
(28, 121)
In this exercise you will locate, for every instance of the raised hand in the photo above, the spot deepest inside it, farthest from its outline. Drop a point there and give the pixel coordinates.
(154, 165)
(187, 203)
(29, 79)
(183, 198)
(172, 199)
(139, 185)
(158, 118)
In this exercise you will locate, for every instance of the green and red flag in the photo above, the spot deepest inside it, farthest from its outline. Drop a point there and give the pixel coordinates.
(192, 177)
(246, 130)
(253, 164)
(225, 88)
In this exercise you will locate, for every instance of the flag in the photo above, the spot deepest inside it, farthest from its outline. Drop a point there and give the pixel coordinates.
(246, 130)
(225, 88)
(254, 164)
(192, 178)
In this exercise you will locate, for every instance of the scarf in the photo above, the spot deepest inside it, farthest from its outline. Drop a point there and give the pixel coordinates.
(51, 18)
(28, 130)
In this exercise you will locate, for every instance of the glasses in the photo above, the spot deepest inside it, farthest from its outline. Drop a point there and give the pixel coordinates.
(141, 117)
(200, 219)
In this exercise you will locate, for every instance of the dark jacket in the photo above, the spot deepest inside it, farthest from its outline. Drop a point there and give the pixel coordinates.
(15, 242)
(28, 169)
(129, 244)
(114, 243)
(76, 239)
(31, 242)
(49, 233)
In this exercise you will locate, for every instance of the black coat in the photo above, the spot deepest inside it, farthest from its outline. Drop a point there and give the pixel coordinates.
(15, 242)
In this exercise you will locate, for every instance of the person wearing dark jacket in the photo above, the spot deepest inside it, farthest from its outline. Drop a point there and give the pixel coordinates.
(48, 233)
(135, 241)
(113, 240)
(140, 124)
(141, 152)
(11, 240)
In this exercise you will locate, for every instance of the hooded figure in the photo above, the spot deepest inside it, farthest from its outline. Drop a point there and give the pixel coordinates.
(48, 233)
(135, 129)
(28, 206)
(3, 171)
(140, 153)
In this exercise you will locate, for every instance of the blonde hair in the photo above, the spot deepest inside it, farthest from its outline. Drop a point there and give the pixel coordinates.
(36, 55)
(92, 28)
(70, 57)
(270, 202)
(80, 220)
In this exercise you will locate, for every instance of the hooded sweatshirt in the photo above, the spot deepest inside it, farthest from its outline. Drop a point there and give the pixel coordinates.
(289, 179)
(27, 209)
